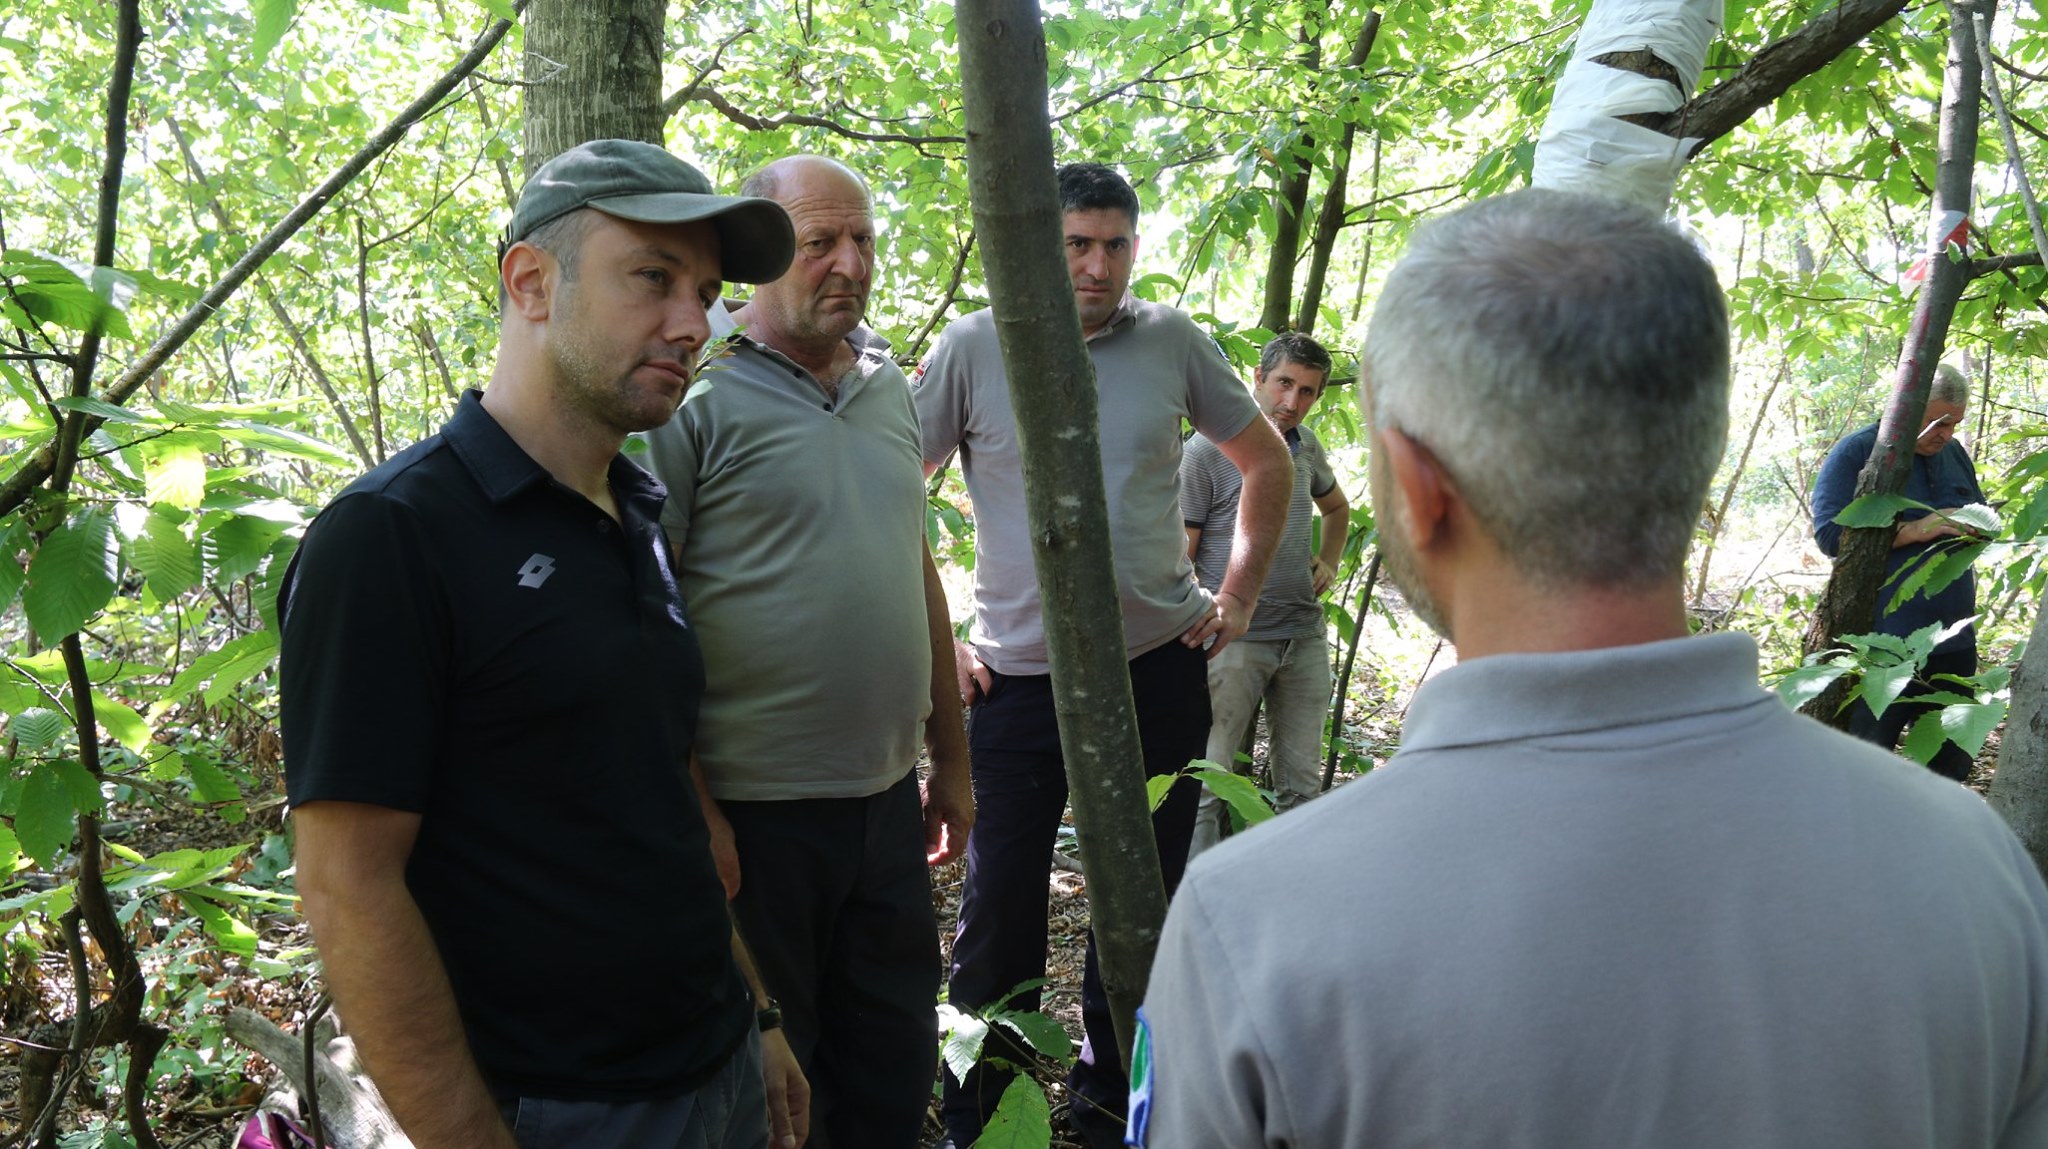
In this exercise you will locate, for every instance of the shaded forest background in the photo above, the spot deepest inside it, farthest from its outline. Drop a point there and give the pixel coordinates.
(1283, 150)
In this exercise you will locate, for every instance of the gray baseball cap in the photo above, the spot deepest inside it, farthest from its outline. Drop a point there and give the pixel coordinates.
(645, 184)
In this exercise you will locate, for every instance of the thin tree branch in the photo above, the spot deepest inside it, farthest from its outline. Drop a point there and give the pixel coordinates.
(31, 474)
(277, 309)
(1768, 74)
(1148, 75)
(945, 304)
(1992, 265)
(687, 92)
(2016, 70)
(754, 123)
(127, 41)
(1981, 26)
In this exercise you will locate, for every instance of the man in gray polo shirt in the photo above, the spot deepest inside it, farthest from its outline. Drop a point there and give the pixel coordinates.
(1283, 659)
(796, 502)
(1610, 891)
(1153, 368)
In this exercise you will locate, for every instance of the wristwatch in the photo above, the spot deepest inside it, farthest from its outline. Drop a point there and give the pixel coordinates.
(769, 1017)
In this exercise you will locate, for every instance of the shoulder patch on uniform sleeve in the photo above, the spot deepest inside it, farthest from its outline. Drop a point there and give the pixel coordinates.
(1141, 1083)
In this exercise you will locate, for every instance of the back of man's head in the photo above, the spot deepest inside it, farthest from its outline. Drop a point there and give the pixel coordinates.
(1565, 358)
(1096, 187)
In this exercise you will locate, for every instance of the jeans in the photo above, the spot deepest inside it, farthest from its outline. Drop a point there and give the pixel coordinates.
(1020, 791)
(730, 1111)
(1292, 675)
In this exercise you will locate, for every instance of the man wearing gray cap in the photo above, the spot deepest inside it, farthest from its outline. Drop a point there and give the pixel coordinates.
(489, 697)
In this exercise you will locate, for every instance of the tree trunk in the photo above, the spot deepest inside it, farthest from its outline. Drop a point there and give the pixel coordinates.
(2019, 788)
(1290, 199)
(1052, 387)
(1849, 603)
(593, 72)
(1330, 220)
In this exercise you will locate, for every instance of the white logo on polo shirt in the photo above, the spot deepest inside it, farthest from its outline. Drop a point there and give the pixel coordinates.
(536, 570)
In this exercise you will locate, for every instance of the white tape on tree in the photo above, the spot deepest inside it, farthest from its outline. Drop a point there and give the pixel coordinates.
(1582, 146)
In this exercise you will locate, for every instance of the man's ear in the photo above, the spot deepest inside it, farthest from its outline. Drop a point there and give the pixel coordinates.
(529, 276)
(1426, 492)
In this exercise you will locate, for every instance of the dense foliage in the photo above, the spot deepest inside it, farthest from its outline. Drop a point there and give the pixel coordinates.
(162, 555)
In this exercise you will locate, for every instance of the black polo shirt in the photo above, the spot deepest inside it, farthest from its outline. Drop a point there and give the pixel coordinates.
(467, 638)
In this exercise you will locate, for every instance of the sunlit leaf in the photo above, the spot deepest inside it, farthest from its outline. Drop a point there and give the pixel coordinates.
(120, 722)
(174, 472)
(273, 19)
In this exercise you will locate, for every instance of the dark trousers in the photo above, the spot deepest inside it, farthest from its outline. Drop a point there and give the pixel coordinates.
(835, 903)
(1950, 761)
(1020, 792)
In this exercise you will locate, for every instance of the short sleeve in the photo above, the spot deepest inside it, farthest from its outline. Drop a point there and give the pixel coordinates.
(1197, 488)
(364, 665)
(938, 392)
(1209, 1083)
(672, 458)
(1219, 404)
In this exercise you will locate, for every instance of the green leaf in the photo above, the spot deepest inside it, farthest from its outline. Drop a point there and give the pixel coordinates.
(273, 19)
(221, 670)
(1977, 517)
(1046, 1036)
(10, 852)
(165, 556)
(275, 566)
(1156, 788)
(54, 292)
(1022, 1120)
(72, 576)
(1879, 510)
(502, 9)
(1882, 684)
(210, 783)
(1238, 792)
(112, 412)
(235, 548)
(1966, 724)
(46, 819)
(230, 932)
(1809, 682)
(120, 722)
(82, 786)
(174, 472)
(279, 441)
(38, 729)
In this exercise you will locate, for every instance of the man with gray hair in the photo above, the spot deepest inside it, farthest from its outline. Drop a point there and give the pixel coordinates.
(1942, 477)
(1610, 891)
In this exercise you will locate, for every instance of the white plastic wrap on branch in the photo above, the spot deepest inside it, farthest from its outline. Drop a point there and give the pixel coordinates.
(1583, 147)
